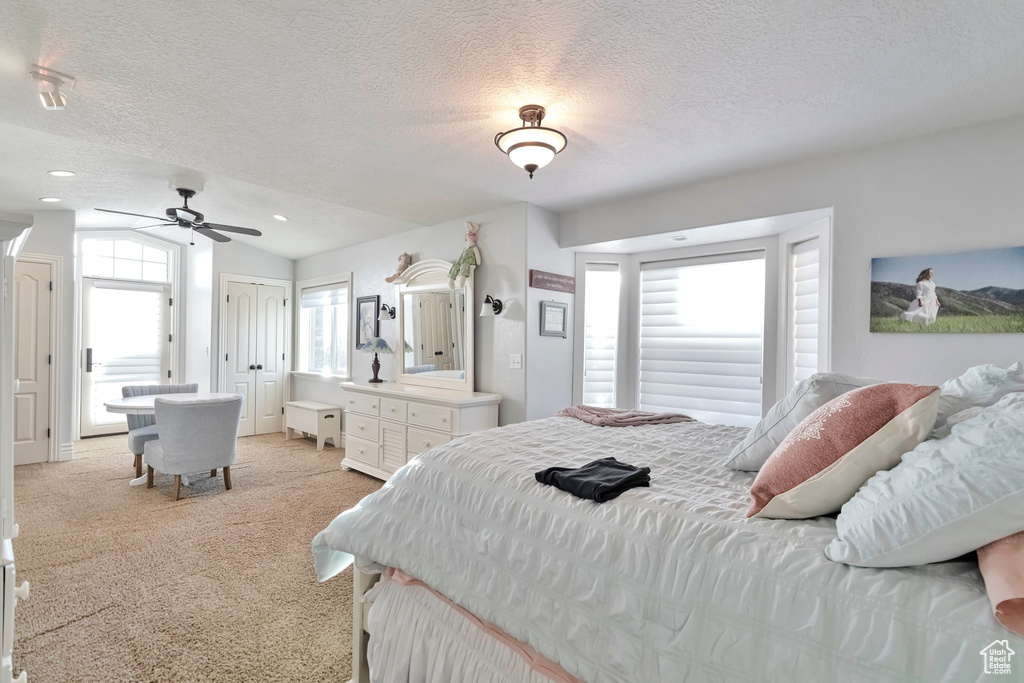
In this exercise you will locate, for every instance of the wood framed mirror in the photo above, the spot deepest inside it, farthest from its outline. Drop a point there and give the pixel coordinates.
(435, 328)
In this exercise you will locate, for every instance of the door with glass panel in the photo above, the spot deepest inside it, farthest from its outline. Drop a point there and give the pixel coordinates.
(701, 337)
(125, 340)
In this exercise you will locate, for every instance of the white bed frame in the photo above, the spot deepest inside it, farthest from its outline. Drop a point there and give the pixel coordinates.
(362, 582)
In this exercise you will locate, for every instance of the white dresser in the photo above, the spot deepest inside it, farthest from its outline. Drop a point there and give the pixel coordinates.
(386, 425)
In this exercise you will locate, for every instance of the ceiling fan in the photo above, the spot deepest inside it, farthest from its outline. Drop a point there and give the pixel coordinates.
(190, 219)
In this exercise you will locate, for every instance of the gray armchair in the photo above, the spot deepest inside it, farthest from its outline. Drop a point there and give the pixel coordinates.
(195, 435)
(142, 428)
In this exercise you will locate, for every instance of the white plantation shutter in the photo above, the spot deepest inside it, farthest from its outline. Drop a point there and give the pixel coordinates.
(601, 320)
(803, 308)
(701, 329)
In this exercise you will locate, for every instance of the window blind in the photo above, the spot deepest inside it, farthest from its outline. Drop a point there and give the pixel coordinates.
(803, 302)
(326, 295)
(701, 329)
(601, 320)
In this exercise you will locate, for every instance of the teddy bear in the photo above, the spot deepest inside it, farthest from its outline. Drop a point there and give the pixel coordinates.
(404, 260)
(469, 258)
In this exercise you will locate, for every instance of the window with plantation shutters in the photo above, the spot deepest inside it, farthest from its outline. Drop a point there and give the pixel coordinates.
(804, 260)
(601, 321)
(701, 337)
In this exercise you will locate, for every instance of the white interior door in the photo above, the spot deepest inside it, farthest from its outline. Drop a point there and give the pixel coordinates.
(271, 323)
(434, 322)
(32, 301)
(125, 340)
(240, 353)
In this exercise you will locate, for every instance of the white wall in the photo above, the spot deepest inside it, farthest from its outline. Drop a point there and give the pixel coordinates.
(53, 233)
(548, 359)
(950, 191)
(502, 245)
(197, 322)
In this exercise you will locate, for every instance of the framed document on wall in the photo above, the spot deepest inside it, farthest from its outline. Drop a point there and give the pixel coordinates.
(553, 319)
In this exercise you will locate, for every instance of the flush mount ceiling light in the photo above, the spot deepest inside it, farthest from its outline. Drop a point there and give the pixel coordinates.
(62, 174)
(53, 87)
(531, 146)
(49, 200)
(280, 217)
(680, 238)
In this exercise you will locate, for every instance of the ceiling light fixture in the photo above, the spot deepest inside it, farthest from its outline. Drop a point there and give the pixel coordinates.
(49, 200)
(680, 238)
(531, 146)
(53, 87)
(62, 174)
(280, 217)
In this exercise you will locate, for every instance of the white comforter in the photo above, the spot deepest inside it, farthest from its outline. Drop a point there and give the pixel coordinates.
(667, 583)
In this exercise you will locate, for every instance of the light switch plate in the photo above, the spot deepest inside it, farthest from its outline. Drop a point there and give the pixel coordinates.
(515, 361)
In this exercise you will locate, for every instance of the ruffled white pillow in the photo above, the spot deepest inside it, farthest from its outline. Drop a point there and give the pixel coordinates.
(979, 387)
(947, 497)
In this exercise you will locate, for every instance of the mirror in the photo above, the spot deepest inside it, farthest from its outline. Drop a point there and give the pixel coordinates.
(435, 333)
(436, 328)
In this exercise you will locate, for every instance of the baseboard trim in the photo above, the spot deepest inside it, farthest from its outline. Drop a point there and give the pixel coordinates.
(67, 452)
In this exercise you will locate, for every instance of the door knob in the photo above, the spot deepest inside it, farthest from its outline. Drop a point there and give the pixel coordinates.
(259, 367)
(252, 367)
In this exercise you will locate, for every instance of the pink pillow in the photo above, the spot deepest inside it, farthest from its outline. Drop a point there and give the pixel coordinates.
(841, 445)
(1002, 566)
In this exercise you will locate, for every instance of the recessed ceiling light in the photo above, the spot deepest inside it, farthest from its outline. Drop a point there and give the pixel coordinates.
(280, 217)
(680, 238)
(49, 199)
(62, 174)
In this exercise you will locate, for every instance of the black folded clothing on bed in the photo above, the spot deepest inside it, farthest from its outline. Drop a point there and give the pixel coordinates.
(600, 480)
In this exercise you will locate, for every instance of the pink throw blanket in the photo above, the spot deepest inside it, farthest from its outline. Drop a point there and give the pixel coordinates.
(1002, 567)
(610, 417)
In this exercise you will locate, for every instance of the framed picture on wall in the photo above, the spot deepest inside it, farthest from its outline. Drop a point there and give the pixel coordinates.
(553, 319)
(963, 292)
(367, 325)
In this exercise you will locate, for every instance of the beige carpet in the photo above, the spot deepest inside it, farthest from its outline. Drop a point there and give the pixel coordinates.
(128, 585)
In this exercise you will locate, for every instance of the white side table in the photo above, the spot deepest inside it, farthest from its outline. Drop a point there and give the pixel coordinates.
(310, 417)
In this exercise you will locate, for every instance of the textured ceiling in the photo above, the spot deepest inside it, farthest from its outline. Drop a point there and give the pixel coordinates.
(390, 108)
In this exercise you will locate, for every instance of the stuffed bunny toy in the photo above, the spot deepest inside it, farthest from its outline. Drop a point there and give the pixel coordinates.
(470, 257)
(404, 261)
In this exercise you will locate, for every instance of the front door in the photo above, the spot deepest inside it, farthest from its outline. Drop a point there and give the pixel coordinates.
(125, 340)
(32, 332)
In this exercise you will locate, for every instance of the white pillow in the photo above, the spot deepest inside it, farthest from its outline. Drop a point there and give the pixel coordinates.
(806, 397)
(947, 497)
(979, 387)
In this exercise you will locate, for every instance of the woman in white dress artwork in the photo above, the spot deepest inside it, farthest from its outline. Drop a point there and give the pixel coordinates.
(925, 307)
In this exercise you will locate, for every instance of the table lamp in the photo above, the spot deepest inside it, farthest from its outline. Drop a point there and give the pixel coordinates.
(375, 345)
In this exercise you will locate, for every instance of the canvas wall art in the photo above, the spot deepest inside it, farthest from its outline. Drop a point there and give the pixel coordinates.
(969, 291)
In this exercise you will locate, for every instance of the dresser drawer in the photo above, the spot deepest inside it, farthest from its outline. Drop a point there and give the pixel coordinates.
(393, 410)
(421, 440)
(430, 416)
(362, 450)
(361, 426)
(368, 405)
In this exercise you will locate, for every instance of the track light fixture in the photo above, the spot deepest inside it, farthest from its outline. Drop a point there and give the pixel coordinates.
(54, 87)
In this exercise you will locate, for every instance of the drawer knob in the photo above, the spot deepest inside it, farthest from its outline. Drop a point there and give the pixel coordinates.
(360, 450)
(328, 417)
(426, 444)
(360, 427)
(21, 592)
(350, 401)
(391, 409)
(412, 413)
(444, 419)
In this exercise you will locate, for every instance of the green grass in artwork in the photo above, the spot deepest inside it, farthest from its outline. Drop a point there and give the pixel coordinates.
(953, 324)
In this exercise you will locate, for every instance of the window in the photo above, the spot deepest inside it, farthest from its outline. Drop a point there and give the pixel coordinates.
(323, 329)
(701, 337)
(802, 356)
(601, 331)
(125, 259)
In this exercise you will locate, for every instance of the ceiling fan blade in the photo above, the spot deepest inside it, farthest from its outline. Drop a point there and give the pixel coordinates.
(215, 236)
(158, 225)
(140, 215)
(232, 228)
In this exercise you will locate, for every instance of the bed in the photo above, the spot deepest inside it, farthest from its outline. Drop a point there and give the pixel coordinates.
(667, 583)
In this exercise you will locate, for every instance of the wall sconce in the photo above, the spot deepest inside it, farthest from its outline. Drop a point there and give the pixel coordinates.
(386, 312)
(491, 307)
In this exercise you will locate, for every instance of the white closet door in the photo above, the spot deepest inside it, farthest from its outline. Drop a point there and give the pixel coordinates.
(31, 362)
(242, 304)
(271, 323)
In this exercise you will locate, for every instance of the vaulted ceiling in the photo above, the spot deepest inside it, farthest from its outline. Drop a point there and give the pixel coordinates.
(360, 119)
